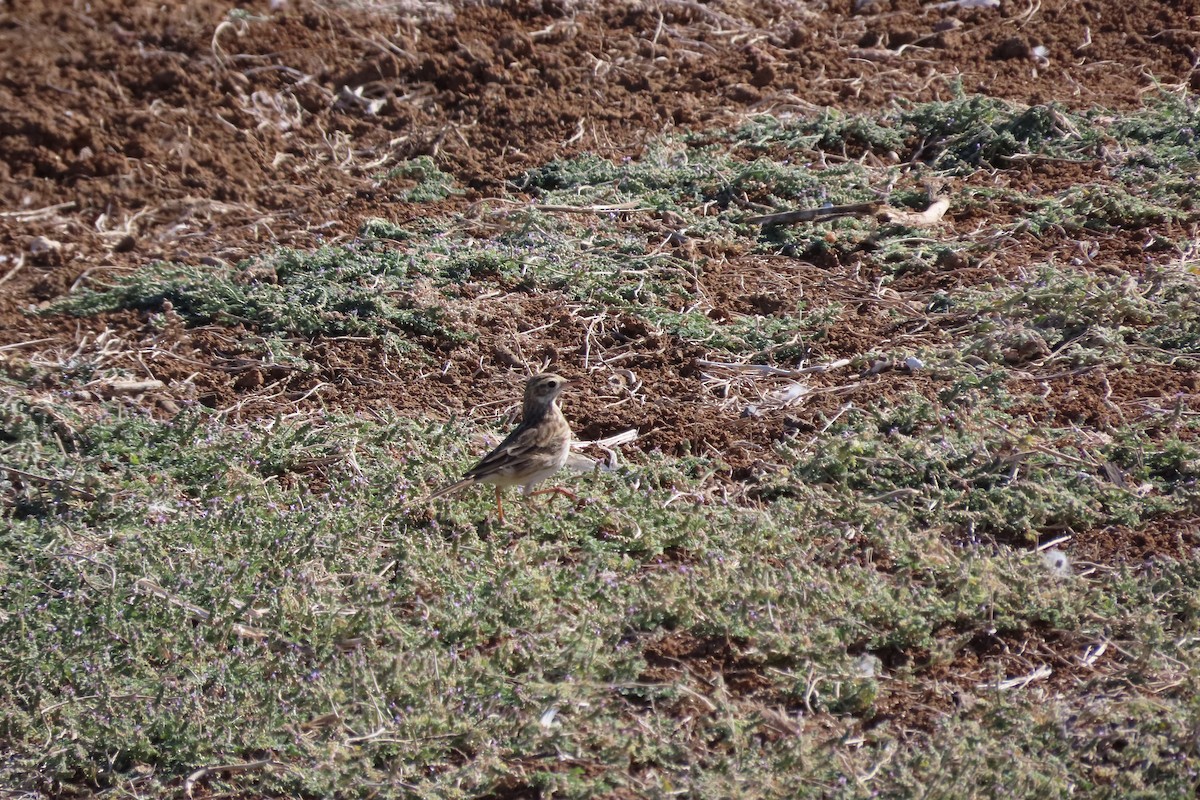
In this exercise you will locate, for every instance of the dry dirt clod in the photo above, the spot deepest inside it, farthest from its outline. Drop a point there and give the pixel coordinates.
(1012, 48)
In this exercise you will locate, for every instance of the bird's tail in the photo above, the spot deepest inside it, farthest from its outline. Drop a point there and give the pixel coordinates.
(451, 488)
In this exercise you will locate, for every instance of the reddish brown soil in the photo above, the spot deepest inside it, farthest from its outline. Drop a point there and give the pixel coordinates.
(968, 668)
(135, 131)
(1175, 536)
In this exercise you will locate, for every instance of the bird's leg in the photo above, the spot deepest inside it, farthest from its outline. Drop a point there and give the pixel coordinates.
(555, 490)
(499, 506)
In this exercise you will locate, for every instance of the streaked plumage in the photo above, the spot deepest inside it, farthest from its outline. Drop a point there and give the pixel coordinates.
(536, 449)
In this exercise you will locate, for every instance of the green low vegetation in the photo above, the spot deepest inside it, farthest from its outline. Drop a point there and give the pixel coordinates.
(187, 593)
(192, 602)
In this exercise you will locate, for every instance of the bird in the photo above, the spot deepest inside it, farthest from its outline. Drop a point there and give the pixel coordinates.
(536, 449)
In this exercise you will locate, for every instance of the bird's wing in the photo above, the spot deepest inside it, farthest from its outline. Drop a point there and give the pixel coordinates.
(513, 451)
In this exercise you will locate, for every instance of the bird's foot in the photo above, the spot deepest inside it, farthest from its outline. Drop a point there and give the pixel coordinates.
(556, 490)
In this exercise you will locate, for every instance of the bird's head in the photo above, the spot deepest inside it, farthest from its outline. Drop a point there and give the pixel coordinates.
(541, 391)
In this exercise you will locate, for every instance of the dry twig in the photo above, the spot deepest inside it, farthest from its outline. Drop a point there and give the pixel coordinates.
(248, 766)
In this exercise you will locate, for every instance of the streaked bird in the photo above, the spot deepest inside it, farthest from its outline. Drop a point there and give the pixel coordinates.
(536, 449)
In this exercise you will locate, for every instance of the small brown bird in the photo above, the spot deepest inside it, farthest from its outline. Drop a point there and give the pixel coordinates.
(535, 450)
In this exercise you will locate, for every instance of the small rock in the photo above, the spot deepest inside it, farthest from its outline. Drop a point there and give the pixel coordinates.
(44, 245)
(764, 75)
(47, 252)
(949, 259)
(1016, 47)
(249, 381)
(868, 666)
(744, 93)
(505, 357)
(898, 38)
